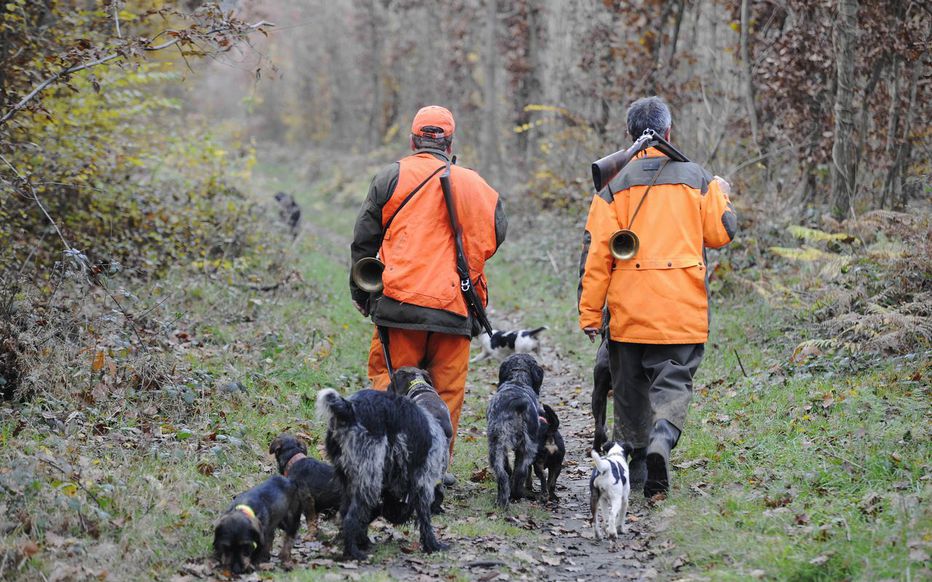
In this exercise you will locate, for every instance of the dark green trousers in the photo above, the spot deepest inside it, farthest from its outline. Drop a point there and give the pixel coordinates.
(651, 382)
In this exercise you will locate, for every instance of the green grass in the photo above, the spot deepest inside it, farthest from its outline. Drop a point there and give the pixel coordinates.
(803, 471)
(817, 472)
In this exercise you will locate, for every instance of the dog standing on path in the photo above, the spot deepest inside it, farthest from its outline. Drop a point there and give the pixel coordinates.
(387, 450)
(514, 420)
(609, 489)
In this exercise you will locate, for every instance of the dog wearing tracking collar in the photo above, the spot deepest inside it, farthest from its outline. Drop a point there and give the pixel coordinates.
(243, 535)
(417, 385)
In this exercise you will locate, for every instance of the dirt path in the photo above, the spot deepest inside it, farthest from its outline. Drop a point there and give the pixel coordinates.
(556, 542)
(559, 547)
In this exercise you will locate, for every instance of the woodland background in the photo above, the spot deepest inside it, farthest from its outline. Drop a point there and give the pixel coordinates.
(144, 271)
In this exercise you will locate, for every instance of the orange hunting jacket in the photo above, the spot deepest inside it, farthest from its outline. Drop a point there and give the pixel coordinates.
(422, 287)
(660, 296)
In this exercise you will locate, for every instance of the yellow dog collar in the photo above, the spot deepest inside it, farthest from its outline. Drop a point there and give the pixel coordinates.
(246, 509)
(418, 382)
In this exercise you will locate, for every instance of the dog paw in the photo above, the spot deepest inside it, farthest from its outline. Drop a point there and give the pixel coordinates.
(436, 547)
(355, 555)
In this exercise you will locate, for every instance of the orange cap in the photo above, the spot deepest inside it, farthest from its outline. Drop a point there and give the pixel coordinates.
(435, 116)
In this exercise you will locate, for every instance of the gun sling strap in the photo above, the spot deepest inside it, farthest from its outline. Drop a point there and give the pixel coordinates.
(470, 296)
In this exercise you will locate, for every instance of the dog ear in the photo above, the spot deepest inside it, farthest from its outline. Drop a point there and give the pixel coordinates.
(428, 378)
(551, 417)
(627, 449)
(276, 445)
(607, 446)
(257, 538)
(537, 376)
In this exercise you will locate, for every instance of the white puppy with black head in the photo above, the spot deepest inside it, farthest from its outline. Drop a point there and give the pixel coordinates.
(609, 488)
(504, 343)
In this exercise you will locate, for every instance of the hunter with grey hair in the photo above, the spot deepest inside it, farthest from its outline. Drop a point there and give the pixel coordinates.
(656, 294)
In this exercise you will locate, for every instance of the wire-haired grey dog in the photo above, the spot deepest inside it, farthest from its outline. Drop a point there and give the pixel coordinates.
(386, 450)
(417, 385)
(514, 419)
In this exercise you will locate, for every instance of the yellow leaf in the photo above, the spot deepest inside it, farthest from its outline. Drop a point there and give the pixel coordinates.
(98, 363)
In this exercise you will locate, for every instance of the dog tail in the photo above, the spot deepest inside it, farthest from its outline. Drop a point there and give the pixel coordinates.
(535, 331)
(601, 464)
(331, 405)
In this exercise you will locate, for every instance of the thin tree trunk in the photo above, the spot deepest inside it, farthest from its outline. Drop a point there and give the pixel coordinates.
(490, 149)
(676, 33)
(865, 107)
(905, 149)
(893, 122)
(844, 165)
(748, 79)
(376, 47)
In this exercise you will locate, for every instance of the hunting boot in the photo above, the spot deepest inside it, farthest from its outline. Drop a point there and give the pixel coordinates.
(637, 467)
(663, 438)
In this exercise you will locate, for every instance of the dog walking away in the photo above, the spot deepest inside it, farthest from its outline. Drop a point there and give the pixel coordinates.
(386, 450)
(503, 343)
(609, 490)
(549, 460)
(514, 419)
(243, 535)
(317, 482)
(417, 385)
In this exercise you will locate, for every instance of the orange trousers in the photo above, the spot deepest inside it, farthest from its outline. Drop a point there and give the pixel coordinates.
(444, 356)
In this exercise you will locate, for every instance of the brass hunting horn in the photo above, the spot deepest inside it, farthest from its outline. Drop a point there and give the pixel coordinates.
(367, 274)
(624, 243)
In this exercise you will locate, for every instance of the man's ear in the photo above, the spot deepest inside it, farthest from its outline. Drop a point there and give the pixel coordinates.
(666, 136)
(411, 142)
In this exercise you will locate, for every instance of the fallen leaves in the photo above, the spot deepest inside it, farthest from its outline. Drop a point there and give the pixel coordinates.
(480, 475)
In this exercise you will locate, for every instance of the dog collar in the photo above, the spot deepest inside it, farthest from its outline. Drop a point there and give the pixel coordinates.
(417, 382)
(297, 457)
(418, 386)
(246, 509)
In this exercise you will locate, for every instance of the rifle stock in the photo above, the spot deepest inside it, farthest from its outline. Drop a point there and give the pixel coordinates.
(605, 169)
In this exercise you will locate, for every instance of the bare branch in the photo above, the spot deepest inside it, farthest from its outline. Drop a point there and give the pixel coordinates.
(35, 197)
(70, 70)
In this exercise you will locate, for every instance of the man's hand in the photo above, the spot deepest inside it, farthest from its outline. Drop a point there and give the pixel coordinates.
(591, 333)
(723, 184)
(363, 309)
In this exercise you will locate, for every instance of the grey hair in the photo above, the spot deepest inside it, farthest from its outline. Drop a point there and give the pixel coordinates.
(421, 142)
(648, 113)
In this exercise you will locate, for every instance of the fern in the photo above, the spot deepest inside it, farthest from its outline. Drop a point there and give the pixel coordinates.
(815, 235)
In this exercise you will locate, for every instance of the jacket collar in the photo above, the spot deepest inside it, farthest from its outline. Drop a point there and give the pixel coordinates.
(441, 154)
(650, 153)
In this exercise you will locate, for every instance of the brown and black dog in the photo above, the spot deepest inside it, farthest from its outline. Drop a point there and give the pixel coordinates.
(243, 535)
(317, 482)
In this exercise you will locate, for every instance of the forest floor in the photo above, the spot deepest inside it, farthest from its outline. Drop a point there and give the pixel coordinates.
(795, 464)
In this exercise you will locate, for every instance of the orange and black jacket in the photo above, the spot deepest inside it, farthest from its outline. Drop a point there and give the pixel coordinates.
(421, 284)
(659, 296)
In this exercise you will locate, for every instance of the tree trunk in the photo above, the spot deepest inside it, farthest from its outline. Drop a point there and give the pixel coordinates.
(748, 79)
(490, 147)
(844, 162)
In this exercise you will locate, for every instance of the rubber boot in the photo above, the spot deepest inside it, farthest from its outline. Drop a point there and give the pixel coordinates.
(637, 467)
(663, 438)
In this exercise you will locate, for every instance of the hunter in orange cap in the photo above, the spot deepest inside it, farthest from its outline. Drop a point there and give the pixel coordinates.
(658, 298)
(432, 118)
(405, 223)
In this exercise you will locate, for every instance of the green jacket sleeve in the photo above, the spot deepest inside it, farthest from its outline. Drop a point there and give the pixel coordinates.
(367, 234)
